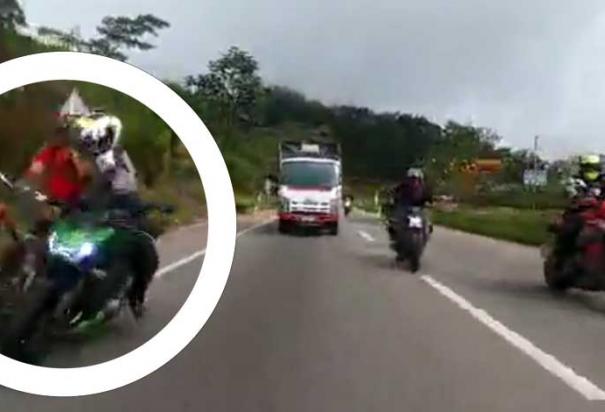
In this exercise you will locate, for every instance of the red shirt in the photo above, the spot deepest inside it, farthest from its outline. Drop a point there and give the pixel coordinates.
(62, 181)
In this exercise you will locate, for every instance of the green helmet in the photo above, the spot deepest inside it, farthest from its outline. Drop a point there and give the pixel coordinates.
(590, 167)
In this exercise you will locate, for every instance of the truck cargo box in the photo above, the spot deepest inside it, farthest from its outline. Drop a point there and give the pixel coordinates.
(292, 149)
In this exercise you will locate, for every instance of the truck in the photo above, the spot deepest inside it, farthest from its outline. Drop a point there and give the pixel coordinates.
(310, 185)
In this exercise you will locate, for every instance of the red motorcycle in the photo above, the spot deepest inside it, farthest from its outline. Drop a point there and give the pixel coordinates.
(585, 267)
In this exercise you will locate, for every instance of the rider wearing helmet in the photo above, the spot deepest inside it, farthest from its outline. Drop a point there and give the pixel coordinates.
(62, 176)
(99, 136)
(588, 183)
(60, 173)
(411, 192)
(589, 179)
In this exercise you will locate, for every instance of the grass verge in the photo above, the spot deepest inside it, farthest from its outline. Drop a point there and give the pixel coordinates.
(523, 226)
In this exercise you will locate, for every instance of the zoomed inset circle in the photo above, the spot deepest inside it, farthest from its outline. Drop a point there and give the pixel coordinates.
(221, 224)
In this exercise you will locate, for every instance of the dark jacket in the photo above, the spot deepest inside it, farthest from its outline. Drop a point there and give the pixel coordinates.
(412, 192)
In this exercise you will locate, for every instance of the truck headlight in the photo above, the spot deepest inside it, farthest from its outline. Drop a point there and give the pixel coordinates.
(284, 204)
(334, 204)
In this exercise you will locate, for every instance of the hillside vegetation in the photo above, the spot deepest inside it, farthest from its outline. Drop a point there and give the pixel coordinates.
(27, 117)
(248, 117)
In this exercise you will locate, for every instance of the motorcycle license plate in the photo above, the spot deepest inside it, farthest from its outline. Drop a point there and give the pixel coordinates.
(415, 222)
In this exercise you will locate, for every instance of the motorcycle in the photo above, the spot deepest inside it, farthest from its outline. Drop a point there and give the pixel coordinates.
(348, 205)
(409, 236)
(88, 270)
(585, 268)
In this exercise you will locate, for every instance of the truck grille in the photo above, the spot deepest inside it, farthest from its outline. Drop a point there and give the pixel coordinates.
(310, 207)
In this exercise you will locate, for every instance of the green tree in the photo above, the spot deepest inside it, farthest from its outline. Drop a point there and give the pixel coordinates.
(232, 84)
(117, 34)
(282, 104)
(515, 163)
(11, 15)
(70, 39)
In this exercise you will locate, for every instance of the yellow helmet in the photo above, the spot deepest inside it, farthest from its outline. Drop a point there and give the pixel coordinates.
(590, 167)
(590, 159)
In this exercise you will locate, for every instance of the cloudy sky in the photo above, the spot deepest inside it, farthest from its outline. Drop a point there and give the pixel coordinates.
(520, 67)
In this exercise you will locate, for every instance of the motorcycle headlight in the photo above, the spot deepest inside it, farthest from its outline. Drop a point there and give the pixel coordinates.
(73, 254)
(87, 249)
(53, 243)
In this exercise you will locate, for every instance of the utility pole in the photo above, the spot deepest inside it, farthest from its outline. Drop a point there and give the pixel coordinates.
(536, 140)
(535, 164)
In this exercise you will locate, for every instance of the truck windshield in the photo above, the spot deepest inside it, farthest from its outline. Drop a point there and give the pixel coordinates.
(307, 174)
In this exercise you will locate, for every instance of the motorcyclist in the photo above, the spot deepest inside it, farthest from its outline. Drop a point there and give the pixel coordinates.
(589, 180)
(410, 193)
(348, 198)
(587, 184)
(413, 190)
(60, 173)
(99, 136)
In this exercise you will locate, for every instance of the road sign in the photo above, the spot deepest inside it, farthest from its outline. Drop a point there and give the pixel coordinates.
(535, 177)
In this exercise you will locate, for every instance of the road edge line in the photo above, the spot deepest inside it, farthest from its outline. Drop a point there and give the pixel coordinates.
(580, 384)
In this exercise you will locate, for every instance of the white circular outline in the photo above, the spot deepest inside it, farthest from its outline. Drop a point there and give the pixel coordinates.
(220, 249)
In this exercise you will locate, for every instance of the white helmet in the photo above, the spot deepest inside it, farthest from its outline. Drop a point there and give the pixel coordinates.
(415, 172)
(98, 133)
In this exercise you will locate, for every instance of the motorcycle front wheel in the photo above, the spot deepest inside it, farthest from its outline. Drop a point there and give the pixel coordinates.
(30, 320)
(115, 286)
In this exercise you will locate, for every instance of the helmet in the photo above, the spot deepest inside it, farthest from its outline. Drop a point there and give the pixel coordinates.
(415, 172)
(590, 167)
(98, 133)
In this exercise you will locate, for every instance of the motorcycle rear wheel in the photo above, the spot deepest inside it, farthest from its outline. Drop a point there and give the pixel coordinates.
(416, 245)
(414, 263)
(554, 278)
(408, 247)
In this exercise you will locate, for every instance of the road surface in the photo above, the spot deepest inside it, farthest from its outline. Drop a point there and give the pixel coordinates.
(326, 324)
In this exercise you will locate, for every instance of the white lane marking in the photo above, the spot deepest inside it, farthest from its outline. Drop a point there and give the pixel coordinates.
(579, 383)
(179, 263)
(366, 236)
(175, 265)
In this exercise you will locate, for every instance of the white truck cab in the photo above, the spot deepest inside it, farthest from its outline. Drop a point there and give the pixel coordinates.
(310, 185)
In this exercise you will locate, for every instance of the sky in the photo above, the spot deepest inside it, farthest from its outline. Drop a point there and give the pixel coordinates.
(522, 68)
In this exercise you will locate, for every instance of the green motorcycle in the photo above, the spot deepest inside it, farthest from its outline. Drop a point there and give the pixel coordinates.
(90, 263)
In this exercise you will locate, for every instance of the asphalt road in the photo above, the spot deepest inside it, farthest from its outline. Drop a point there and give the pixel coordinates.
(327, 324)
